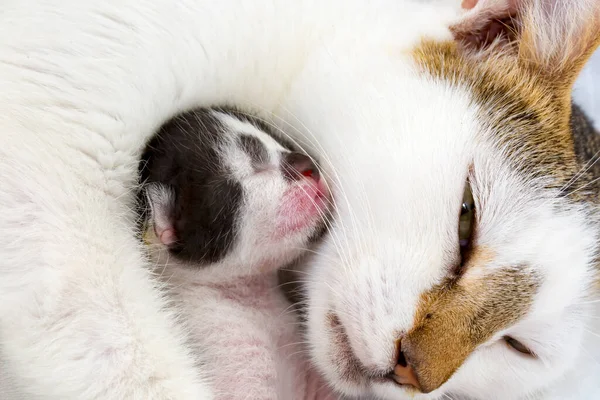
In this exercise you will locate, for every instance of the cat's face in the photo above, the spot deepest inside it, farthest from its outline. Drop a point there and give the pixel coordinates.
(492, 302)
(526, 278)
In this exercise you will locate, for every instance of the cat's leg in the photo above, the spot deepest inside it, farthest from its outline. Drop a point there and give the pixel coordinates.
(80, 317)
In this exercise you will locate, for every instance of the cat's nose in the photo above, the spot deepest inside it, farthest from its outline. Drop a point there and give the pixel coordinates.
(296, 166)
(404, 373)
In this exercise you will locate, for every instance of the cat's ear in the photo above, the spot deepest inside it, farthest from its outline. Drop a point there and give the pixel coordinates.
(554, 37)
(161, 202)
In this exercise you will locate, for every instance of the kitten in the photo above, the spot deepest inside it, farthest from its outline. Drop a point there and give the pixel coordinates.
(228, 205)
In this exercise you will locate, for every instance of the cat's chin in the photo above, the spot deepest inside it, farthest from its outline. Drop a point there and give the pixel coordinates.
(345, 372)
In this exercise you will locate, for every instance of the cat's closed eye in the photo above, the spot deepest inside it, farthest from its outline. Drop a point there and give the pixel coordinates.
(518, 346)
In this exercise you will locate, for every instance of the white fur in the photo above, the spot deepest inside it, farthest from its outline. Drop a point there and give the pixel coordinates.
(85, 83)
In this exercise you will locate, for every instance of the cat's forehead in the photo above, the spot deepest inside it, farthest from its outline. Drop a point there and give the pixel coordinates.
(516, 109)
(524, 168)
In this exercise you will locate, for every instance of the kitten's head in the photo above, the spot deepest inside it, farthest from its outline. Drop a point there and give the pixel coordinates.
(475, 260)
(221, 191)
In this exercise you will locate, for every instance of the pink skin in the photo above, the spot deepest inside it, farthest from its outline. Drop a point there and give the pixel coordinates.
(164, 230)
(255, 352)
(301, 205)
(166, 236)
(468, 4)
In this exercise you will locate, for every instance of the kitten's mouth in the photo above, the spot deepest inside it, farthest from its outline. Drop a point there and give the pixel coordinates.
(312, 196)
(305, 204)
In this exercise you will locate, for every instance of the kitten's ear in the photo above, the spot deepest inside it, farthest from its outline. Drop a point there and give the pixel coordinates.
(554, 37)
(161, 201)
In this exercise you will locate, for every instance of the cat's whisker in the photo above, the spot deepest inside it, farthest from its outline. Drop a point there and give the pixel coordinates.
(597, 335)
(289, 310)
(299, 343)
(336, 180)
(334, 233)
(588, 355)
(587, 302)
(585, 168)
(582, 187)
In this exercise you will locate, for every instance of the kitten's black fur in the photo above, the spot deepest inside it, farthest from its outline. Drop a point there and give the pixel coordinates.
(184, 156)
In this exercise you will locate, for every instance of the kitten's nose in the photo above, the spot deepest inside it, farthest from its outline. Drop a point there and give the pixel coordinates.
(296, 166)
(404, 374)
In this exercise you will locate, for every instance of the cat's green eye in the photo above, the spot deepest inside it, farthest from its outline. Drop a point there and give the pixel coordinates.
(467, 218)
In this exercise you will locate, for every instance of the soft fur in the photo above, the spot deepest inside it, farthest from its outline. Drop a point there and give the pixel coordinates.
(85, 83)
(239, 322)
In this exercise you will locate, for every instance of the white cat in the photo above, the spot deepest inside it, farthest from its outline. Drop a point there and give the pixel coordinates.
(396, 302)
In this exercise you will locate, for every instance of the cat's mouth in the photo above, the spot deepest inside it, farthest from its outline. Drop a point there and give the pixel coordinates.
(351, 370)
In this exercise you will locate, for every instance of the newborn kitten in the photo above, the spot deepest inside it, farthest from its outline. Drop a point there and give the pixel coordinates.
(227, 205)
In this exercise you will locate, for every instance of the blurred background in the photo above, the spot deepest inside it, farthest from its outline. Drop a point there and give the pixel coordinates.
(587, 89)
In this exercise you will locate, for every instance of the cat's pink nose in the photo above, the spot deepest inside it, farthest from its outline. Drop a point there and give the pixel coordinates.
(404, 373)
(296, 166)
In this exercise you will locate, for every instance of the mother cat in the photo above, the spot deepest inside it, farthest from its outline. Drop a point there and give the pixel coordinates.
(409, 294)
